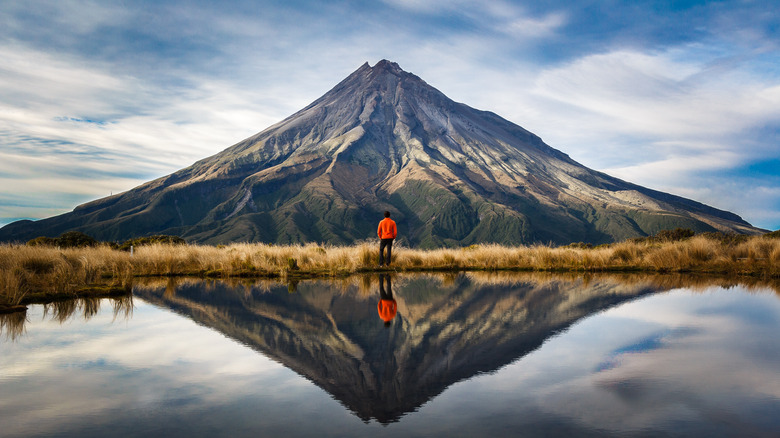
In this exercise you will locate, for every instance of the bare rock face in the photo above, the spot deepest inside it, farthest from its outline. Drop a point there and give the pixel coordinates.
(383, 139)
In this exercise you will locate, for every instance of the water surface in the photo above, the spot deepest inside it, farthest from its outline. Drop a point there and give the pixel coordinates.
(464, 355)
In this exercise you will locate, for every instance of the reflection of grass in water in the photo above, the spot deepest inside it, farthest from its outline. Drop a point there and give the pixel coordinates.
(122, 307)
(61, 310)
(424, 286)
(87, 307)
(12, 324)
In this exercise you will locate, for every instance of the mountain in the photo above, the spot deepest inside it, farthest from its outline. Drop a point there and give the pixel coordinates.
(383, 139)
(444, 332)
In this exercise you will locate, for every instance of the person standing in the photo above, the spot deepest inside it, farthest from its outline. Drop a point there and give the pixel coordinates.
(386, 232)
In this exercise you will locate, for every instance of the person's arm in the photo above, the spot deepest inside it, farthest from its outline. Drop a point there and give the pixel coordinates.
(394, 229)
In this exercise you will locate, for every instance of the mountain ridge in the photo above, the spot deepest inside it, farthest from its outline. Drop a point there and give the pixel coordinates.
(383, 139)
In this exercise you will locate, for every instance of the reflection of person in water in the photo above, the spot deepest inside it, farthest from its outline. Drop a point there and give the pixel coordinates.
(387, 306)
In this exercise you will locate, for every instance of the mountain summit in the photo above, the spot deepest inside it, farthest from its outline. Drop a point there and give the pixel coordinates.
(383, 139)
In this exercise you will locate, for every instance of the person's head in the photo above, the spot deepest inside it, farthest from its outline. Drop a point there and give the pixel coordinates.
(387, 214)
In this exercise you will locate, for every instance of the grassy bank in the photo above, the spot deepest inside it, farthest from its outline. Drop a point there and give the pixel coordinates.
(42, 273)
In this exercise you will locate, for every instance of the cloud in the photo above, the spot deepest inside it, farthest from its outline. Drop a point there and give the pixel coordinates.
(67, 126)
(500, 17)
(656, 94)
(440, 6)
(530, 27)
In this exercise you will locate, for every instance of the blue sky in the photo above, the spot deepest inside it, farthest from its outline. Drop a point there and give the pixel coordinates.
(97, 97)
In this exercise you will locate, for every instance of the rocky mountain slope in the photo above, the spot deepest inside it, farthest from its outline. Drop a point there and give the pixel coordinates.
(383, 139)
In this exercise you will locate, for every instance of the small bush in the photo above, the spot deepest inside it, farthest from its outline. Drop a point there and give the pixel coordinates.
(674, 235)
(71, 239)
(151, 240)
(730, 239)
(76, 239)
(43, 241)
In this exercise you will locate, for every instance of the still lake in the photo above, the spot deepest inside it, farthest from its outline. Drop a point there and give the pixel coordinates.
(463, 355)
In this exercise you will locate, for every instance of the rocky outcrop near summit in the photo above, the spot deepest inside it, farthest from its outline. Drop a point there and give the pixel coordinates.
(383, 139)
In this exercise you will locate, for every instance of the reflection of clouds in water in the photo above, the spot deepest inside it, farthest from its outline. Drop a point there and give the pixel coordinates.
(153, 338)
(94, 368)
(683, 373)
(643, 366)
(646, 344)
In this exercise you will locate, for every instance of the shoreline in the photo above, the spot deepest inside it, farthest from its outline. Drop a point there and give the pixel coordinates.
(113, 290)
(40, 273)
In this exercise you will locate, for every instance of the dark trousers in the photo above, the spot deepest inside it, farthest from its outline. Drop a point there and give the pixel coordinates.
(385, 294)
(385, 243)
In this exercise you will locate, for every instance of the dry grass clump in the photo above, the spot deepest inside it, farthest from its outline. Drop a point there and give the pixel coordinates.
(684, 255)
(26, 269)
(755, 250)
(493, 256)
(250, 258)
(757, 255)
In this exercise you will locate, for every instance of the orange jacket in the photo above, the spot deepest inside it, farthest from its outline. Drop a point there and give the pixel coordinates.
(387, 229)
(386, 309)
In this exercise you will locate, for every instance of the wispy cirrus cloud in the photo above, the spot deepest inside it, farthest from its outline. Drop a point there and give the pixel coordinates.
(658, 94)
(501, 17)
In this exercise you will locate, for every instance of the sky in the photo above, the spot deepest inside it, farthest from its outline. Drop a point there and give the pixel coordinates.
(98, 97)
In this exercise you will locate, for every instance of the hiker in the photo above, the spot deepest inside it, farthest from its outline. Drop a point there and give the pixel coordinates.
(387, 232)
(387, 306)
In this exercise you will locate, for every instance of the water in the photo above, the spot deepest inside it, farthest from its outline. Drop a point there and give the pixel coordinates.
(465, 355)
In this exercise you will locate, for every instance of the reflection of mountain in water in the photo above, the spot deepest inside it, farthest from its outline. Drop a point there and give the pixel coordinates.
(444, 332)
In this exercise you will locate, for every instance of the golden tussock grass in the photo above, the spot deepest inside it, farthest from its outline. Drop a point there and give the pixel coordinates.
(45, 270)
(26, 270)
